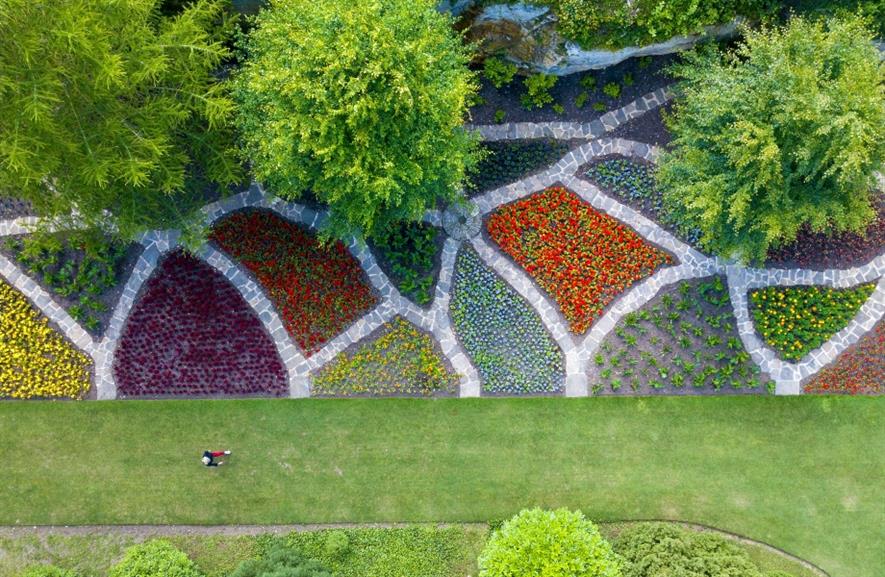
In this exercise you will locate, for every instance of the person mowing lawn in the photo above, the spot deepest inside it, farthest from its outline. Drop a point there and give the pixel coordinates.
(209, 458)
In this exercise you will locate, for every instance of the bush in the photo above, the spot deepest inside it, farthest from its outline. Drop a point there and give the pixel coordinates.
(48, 571)
(538, 543)
(537, 90)
(618, 23)
(664, 550)
(408, 252)
(499, 72)
(36, 361)
(157, 558)
(281, 561)
(361, 102)
(783, 133)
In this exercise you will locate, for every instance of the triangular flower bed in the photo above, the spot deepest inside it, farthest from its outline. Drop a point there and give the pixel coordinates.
(410, 255)
(583, 258)
(501, 333)
(860, 370)
(319, 290)
(796, 320)
(191, 333)
(398, 359)
(507, 161)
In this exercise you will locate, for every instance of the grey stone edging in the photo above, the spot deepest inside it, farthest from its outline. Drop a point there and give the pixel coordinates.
(574, 130)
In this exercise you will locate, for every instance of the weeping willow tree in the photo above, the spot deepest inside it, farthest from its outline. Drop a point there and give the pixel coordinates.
(112, 112)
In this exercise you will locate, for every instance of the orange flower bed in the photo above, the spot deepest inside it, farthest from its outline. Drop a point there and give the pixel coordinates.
(583, 258)
(860, 370)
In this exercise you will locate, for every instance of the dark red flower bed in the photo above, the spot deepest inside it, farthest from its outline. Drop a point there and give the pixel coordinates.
(193, 334)
(582, 257)
(820, 251)
(860, 370)
(319, 290)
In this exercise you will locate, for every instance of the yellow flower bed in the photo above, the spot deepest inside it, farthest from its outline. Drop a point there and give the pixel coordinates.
(36, 361)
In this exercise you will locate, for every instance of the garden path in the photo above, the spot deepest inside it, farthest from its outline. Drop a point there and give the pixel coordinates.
(464, 226)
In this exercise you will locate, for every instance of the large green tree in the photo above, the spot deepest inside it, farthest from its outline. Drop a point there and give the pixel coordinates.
(112, 112)
(784, 133)
(361, 103)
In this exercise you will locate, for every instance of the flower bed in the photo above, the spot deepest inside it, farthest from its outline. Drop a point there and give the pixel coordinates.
(581, 257)
(319, 290)
(683, 342)
(507, 161)
(400, 360)
(502, 334)
(633, 183)
(410, 255)
(36, 361)
(796, 320)
(193, 334)
(859, 370)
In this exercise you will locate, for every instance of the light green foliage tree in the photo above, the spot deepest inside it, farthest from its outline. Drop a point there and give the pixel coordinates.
(664, 550)
(281, 561)
(539, 543)
(361, 103)
(784, 133)
(113, 112)
(156, 558)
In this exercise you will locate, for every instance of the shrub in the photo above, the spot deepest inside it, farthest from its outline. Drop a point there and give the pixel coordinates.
(783, 133)
(611, 90)
(408, 252)
(618, 23)
(281, 561)
(362, 103)
(661, 550)
(156, 558)
(499, 72)
(537, 94)
(36, 361)
(500, 115)
(797, 320)
(581, 99)
(119, 115)
(47, 571)
(538, 543)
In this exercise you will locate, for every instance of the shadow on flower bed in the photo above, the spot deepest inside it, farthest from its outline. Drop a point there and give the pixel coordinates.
(191, 333)
(318, 290)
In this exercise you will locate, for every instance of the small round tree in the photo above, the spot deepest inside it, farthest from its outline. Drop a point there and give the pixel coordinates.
(784, 133)
(361, 103)
(539, 543)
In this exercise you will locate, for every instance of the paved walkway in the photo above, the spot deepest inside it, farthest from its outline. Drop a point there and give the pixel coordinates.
(463, 225)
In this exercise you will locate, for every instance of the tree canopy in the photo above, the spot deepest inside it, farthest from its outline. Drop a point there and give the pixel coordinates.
(784, 133)
(112, 112)
(359, 103)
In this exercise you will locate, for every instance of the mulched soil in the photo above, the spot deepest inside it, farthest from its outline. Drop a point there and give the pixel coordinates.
(108, 298)
(667, 348)
(645, 79)
(648, 128)
(13, 208)
(818, 251)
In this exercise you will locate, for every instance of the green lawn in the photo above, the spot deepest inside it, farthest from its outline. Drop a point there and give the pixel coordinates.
(803, 474)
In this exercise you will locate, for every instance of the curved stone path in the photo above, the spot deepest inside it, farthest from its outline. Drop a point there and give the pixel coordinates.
(463, 224)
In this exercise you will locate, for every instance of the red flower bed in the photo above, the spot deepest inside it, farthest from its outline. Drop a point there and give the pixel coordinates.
(319, 290)
(860, 370)
(582, 257)
(193, 334)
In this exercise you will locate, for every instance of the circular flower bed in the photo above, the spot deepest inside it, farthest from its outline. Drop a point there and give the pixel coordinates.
(796, 320)
(319, 290)
(36, 361)
(860, 370)
(193, 334)
(583, 258)
(401, 360)
(502, 334)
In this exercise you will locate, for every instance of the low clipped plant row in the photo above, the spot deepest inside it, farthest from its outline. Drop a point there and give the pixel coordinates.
(511, 160)
(534, 543)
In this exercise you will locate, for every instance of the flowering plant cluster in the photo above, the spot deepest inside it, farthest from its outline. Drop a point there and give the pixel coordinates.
(582, 257)
(797, 320)
(319, 290)
(507, 161)
(504, 337)
(36, 361)
(633, 183)
(193, 334)
(860, 370)
(400, 361)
